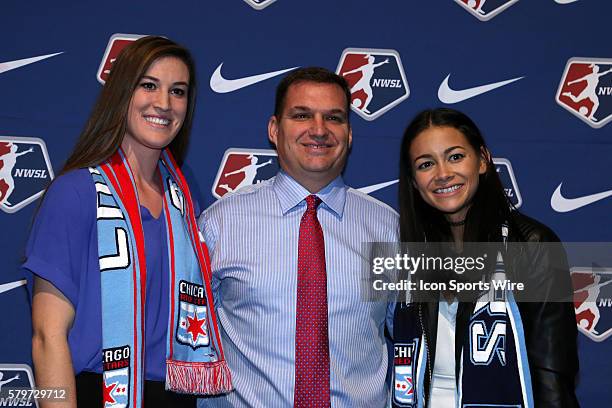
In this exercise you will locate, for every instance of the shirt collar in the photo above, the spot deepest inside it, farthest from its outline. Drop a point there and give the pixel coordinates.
(291, 194)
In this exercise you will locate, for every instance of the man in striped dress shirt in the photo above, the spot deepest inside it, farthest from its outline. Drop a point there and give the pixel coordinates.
(253, 237)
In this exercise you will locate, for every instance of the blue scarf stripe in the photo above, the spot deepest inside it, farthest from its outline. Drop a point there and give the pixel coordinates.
(460, 382)
(118, 292)
(421, 373)
(191, 226)
(523, 363)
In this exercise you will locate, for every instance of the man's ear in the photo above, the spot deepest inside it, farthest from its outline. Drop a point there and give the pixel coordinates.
(273, 129)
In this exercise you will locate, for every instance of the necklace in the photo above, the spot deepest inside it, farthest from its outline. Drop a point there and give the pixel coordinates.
(456, 223)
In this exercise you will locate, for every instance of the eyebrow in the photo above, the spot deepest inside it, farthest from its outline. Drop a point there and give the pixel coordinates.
(446, 151)
(152, 78)
(330, 111)
(338, 111)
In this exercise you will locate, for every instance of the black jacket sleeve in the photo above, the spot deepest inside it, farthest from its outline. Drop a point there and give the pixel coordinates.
(549, 323)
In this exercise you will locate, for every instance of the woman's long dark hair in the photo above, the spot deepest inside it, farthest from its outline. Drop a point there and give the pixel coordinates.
(107, 124)
(490, 208)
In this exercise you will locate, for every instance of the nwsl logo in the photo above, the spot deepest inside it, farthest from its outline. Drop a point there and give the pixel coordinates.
(593, 301)
(259, 4)
(16, 380)
(25, 171)
(115, 45)
(506, 175)
(485, 9)
(586, 90)
(243, 167)
(376, 78)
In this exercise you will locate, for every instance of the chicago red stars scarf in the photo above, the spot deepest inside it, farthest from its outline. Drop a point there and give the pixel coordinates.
(195, 363)
(493, 370)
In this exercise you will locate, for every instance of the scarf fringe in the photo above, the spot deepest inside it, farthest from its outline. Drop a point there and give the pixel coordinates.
(198, 378)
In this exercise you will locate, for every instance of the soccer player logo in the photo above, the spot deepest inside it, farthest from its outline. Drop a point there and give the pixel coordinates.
(376, 78)
(116, 43)
(593, 301)
(25, 171)
(259, 4)
(242, 167)
(8, 380)
(586, 90)
(485, 9)
(506, 175)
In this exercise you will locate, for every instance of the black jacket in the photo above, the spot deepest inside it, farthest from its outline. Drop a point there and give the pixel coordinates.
(549, 327)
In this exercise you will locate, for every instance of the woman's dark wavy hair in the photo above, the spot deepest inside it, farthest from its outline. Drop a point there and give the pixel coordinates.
(419, 222)
(107, 124)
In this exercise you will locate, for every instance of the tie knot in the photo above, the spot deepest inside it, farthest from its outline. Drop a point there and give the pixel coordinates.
(312, 202)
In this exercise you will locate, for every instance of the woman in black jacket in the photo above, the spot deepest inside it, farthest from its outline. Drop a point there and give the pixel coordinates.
(483, 350)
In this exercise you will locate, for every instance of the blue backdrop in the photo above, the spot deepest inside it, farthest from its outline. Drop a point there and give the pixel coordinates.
(534, 75)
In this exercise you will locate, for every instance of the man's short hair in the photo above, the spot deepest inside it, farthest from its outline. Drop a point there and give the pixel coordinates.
(310, 74)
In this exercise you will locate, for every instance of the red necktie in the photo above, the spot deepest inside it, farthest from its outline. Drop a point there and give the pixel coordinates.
(311, 333)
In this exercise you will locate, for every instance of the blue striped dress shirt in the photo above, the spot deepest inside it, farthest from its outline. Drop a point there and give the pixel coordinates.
(252, 236)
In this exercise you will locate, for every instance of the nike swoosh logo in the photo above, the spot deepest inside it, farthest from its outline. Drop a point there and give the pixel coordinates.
(374, 187)
(9, 65)
(5, 287)
(222, 85)
(448, 95)
(565, 1)
(562, 204)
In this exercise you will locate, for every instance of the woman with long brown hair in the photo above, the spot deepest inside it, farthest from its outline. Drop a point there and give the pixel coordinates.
(122, 281)
(490, 347)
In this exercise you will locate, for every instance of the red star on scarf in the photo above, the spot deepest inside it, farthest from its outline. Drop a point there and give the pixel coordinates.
(106, 394)
(195, 326)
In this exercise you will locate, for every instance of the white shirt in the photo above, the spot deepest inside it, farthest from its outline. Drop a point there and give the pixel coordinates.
(444, 385)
